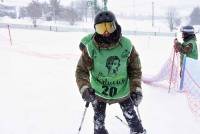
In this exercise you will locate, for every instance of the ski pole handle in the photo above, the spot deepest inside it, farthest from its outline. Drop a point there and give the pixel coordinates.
(87, 104)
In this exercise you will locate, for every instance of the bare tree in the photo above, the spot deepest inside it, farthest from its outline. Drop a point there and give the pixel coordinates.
(173, 19)
(45, 8)
(35, 11)
(81, 7)
(55, 6)
(69, 14)
(23, 12)
(194, 16)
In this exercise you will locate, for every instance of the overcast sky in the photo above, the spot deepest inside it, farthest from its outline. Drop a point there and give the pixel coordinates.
(139, 7)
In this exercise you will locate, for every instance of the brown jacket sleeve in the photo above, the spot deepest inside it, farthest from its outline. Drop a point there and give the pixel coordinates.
(82, 69)
(134, 70)
(187, 49)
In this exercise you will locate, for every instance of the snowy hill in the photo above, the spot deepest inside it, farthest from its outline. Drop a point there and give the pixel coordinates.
(39, 95)
(38, 92)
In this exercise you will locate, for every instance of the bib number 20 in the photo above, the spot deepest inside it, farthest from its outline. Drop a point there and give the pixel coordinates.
(109, 91)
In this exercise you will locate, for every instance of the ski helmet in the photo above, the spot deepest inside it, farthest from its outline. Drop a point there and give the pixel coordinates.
(189, 30)
(104, 16)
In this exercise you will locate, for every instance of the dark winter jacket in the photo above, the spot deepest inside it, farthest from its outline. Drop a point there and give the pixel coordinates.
(85, 64)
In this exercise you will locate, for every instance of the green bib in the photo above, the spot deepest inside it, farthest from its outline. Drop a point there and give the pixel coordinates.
(108, 76)
(194, 53)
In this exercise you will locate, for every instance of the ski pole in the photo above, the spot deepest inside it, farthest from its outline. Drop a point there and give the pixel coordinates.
(172, 66)
(121, 120)
(86, 106)
(138, 113)
(139, 117)
(172, 69)
(137, 109)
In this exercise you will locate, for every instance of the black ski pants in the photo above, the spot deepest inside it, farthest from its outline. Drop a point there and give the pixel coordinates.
(129, 113)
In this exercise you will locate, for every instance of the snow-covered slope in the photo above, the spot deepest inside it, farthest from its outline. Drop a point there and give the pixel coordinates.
(38, 92)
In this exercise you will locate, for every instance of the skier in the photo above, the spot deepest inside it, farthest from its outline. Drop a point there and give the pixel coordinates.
(109, 71)
(189, 45)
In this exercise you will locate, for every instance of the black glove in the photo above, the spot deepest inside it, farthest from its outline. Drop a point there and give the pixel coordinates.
(88, 94)
(137, 96)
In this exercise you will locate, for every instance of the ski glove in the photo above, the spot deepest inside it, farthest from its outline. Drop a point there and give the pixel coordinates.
(88, 94)
(177, 46)
(137, 96)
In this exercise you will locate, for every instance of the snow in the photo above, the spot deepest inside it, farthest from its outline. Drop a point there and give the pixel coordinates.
(130, 7)
(39, 95)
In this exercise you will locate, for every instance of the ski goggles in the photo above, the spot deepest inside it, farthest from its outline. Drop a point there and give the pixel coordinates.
(105, 27)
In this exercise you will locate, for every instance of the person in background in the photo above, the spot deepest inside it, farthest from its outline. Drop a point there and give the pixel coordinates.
(189, 45)
(109, 71)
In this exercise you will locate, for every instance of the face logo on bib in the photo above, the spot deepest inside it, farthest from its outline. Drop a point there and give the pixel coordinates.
(112, 64)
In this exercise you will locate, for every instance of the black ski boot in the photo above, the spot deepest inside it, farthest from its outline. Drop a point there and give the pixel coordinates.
(132, 132)
(101, 131)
